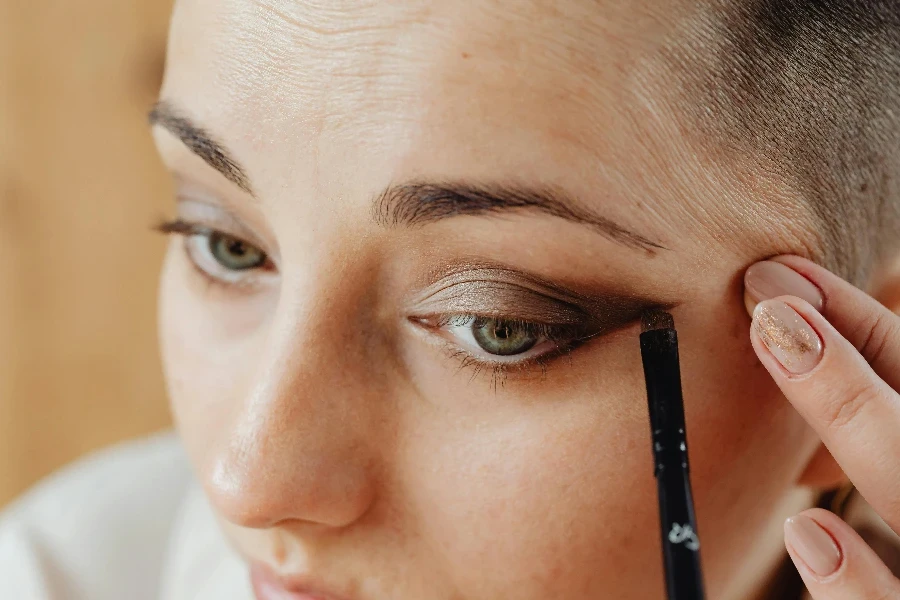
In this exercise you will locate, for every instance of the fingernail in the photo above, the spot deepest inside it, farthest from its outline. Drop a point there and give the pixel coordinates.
(769, 279)
(813, 545)
(788, 336)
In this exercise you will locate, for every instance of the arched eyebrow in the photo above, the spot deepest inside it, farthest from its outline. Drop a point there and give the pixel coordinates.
(418, 203)
(200, 142)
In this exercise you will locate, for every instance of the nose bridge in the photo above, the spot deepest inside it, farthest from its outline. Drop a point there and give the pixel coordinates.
(298, 447)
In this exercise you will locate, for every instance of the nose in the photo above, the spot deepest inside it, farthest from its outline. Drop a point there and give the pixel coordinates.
(298, 447)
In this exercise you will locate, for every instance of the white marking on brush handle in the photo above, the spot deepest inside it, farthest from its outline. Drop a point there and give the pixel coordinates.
(684, 534)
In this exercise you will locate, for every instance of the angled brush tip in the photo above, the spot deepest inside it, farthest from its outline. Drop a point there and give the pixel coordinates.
(656, 319)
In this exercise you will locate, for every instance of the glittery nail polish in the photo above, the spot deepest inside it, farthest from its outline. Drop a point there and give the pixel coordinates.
(788, 336)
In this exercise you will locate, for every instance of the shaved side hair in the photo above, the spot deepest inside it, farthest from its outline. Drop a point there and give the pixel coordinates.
(810, 89)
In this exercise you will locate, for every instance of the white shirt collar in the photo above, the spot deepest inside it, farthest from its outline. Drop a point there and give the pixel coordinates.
(200, 564)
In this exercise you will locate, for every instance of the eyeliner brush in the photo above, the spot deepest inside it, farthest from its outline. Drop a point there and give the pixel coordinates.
(678, 525)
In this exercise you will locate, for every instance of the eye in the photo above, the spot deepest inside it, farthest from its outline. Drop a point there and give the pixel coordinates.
(504, 340)
(224, 258)
(218, 256)
(232, 253)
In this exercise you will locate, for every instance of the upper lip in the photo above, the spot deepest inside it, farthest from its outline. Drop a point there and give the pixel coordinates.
(297, 584)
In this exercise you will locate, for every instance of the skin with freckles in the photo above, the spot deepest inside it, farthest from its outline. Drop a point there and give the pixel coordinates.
(327, 369)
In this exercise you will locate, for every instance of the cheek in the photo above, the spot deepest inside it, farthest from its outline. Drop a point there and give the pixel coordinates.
(527, 500)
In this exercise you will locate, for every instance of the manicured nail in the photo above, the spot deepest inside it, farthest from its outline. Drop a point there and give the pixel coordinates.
(813, 545)
(769, 279)
(788, 336)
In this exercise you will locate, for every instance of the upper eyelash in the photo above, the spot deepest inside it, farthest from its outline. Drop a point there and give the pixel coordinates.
(182, 227)
(550, 331)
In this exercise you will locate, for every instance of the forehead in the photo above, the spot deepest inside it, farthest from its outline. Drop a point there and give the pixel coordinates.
(378, 55)
(345, 97)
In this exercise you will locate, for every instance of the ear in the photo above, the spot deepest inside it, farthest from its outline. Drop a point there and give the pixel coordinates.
(885, 285)
(822, 472)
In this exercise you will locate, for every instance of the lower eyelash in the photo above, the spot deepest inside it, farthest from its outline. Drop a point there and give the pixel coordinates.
(501, 371)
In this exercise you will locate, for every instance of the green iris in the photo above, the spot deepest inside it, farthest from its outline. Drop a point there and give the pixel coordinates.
(503, 337)
(235, 254)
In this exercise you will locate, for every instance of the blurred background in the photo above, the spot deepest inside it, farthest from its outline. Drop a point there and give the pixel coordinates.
(80, 185)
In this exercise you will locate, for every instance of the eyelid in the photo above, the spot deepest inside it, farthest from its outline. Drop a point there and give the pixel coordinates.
(500, 299)
(507, 293)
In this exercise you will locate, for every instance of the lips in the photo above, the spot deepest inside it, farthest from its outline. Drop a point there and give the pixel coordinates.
(267, 585)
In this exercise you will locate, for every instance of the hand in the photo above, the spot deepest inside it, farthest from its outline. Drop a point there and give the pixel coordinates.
(835, 353)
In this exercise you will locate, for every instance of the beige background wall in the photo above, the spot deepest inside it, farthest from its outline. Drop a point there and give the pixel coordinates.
(79, 187)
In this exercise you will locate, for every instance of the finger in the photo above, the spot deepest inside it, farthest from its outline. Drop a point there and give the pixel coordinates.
(855, 413)
(834, 562)
(863, 321)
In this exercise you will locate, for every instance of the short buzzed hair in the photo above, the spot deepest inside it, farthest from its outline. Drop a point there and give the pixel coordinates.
(811, 88)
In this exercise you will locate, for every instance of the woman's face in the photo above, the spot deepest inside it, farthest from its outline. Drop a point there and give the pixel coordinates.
(408, 366)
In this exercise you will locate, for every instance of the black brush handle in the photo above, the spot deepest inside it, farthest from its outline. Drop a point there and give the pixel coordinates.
(678, 523)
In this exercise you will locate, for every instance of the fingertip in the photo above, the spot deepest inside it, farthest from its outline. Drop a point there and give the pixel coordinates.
(833, 560)
(813, 544)
(787, 335)
(809, 269)
(769, 279)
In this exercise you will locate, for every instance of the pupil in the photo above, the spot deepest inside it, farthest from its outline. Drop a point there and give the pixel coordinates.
(236, 247)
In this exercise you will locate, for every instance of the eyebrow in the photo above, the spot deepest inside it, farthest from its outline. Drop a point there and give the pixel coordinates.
(200, 142)
(418, 203)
